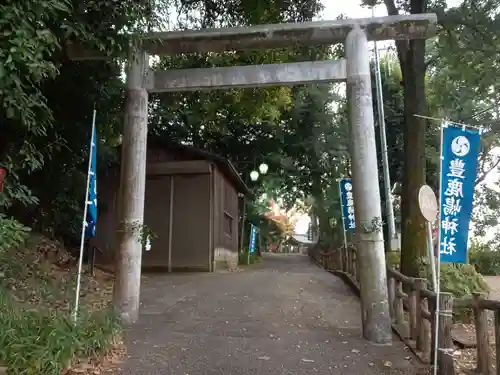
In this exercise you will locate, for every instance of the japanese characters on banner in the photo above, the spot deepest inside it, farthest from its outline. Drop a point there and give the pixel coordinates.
(253, 239)
(347, 203)
(459, 158)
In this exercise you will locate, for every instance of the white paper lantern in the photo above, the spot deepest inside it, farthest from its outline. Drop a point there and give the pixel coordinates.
(263, 168)
(254, 176)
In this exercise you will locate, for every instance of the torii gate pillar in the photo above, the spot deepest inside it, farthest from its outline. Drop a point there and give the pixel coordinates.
(369, 236)
(131, 193)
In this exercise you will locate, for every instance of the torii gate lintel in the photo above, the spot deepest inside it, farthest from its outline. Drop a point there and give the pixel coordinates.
(401, 27)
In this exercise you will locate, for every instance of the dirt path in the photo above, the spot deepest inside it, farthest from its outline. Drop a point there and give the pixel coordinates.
(494, 284)
(284, 317)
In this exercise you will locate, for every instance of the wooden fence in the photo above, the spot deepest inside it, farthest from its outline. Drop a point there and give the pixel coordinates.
(412, 307)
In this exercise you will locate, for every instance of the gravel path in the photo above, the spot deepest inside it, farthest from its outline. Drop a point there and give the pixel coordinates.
(284, 316)
(494, 284)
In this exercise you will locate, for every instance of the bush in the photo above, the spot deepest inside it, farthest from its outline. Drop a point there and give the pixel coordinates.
(244, 258)
(34, 342)
(393, 258)
(12, 233)
(485, 259)
(458, 279)
(37, 335)
(461, 280)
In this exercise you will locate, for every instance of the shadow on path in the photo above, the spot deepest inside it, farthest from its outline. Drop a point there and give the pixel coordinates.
(286, 317)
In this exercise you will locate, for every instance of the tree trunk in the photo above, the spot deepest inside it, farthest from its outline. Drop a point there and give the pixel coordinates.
(413, 231)
(412, 60)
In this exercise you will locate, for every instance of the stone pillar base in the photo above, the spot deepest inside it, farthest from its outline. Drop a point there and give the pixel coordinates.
(225, 259)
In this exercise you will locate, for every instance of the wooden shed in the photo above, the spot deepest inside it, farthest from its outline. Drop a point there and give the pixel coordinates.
(191, 205)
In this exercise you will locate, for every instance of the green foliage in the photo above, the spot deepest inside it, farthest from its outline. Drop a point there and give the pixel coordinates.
(12, 234)
(25, 49)
(393, 258)
(245, 258)
(462, 280)
(485, 259)
(33, 338)
(34, 342)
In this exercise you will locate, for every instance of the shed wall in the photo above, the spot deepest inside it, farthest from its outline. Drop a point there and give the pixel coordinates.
(200, 227)
(226, 222)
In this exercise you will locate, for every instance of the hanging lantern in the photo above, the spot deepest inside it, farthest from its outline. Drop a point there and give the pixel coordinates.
(263, 168)
(254, 176)
(3, 174)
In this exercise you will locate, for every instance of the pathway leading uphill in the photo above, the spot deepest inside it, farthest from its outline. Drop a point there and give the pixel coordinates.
(284, 316)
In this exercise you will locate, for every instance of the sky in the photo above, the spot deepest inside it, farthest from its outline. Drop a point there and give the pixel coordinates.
(352, 9)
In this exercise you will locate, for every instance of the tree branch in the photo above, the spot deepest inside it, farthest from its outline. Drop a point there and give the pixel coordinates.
(391, 7)
(484, 173)
(431, 61)
(451, 20)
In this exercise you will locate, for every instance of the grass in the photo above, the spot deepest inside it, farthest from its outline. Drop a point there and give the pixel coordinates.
(245, 259)
(38, 342)
(37, 334)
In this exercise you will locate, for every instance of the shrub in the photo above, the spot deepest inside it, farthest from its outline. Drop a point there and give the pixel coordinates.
(458, 279)
(485, 259)
(12, 233)
(42, 339)
(461, 280)
(34, 342)
(244, 258)
(393, 259)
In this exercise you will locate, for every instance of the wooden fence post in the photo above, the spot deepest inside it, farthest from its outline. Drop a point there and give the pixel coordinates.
(431, 302)
(484, 360)
(398, 304)
(344, 258)
(413, 306)
(340, 260)
(497, 339)
(445, 341)
(391, 294)
(353, 262)
(348, 260)
(422, 341)
(356, 267)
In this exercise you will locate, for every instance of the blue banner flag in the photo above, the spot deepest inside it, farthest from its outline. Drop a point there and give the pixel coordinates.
(459, 159)
(253, 239)
(91, 219)
(347, 204)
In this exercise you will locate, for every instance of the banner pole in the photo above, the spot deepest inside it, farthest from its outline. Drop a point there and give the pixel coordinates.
(250, 244)
(438, 265)
(84, 224)
(344, 253)
(432, 259)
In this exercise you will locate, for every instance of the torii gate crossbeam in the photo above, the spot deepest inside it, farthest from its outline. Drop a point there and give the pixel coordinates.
(355, 33)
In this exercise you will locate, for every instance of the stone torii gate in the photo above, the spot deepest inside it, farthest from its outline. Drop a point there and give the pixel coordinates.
(355, 33)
